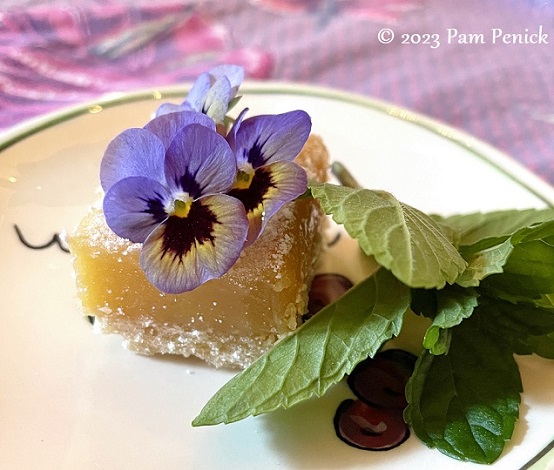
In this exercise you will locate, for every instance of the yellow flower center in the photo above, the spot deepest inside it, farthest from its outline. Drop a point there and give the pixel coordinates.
(182, 208)
(243, 179)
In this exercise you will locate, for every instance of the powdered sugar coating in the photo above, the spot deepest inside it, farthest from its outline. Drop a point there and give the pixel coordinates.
(228, 321)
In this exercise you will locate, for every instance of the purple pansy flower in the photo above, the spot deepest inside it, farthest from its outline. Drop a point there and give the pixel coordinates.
(165, 187)
(213, 93)
(267, 178)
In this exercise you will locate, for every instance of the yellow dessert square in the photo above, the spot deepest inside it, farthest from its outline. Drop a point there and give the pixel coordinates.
(227, 321)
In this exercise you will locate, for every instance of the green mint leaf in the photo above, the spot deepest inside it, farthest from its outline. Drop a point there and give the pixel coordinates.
(454, 304)
(402, 239)
(541, 345)
(529, 267)
(532, 258)
(465, 403)
(518, 318)
(437, 340)
(485, 239)
(484, 258)
(477, 226)
(424, 302)
(317, 355)
(524, 325)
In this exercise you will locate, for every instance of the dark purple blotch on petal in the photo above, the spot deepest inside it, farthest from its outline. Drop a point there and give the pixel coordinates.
(265, 139)
(188, 182)
(155, 207)
(256, 155)
(134, 206)
(199, 161)
(182, 233)
(254, 195)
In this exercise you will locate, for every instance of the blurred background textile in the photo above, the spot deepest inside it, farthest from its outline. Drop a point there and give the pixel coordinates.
(486, 67)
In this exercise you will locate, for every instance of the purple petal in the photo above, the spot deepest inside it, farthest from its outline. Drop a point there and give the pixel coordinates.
(134, 152)
(199, 162)
(232, 134)
(197, 94)
(289, 181)
(217, 100)
(167, 108)
(184, 252)
(271, 187)
(234, 73)
(134, 206)
(167, 126)
(265, 139)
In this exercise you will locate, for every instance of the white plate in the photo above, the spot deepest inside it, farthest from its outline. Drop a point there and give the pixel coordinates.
(71, 399)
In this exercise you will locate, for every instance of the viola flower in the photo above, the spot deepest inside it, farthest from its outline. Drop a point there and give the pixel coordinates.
(165, 188)
(267, 178)
(213, 93)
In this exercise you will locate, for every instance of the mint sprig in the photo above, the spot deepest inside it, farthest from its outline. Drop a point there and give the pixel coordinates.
(451, 306)
(402, 239)
(529, 269)
(486, 281)
(478, 225)
(317, 355)
(466, 402)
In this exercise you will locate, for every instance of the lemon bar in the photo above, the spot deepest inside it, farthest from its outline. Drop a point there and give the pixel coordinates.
(228, 321)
